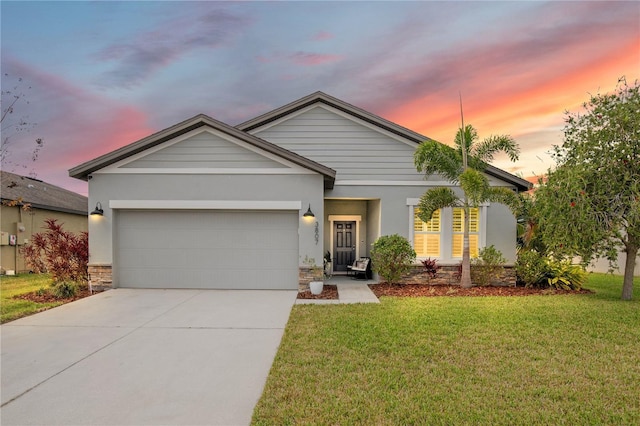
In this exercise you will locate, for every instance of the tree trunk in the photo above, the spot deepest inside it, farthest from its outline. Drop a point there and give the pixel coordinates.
(465, 279)
(631, 250)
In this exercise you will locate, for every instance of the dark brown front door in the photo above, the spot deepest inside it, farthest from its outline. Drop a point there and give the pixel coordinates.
(344, 245)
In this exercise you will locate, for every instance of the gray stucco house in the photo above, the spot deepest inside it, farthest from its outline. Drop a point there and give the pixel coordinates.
(203, 204)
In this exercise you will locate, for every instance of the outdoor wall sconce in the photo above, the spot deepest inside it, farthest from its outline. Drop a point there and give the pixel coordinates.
(309, 213)
(98, 210)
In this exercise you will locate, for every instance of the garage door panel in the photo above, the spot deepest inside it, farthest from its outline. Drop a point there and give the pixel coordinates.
(207, 249)
(151, 258)
(190, 278)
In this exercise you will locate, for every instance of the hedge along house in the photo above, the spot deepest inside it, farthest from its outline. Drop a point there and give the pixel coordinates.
(206, 205)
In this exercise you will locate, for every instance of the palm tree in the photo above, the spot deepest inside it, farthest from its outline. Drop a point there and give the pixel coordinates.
(464, 165)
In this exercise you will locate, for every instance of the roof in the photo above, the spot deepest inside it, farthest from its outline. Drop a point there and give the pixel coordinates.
(41, 195)
(84, 170)
(321, 97)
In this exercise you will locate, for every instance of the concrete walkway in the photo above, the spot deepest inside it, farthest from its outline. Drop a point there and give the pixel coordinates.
(143, 357)
(349, 291)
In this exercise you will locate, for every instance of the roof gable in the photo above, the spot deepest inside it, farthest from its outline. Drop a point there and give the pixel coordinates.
(295, 107)
(144, 147)
(200, 149)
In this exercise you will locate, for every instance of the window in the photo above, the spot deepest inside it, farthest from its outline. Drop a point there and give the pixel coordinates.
(426, 235)
(458, 231)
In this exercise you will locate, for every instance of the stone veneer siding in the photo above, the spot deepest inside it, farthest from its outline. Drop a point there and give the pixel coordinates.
(306, 275)
(447, 275)
(100, 277)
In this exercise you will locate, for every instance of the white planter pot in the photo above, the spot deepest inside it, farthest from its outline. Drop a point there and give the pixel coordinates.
(316, 287)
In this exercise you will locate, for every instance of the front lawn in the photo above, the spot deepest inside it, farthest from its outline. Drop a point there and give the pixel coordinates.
(11, 286)
(565, 359)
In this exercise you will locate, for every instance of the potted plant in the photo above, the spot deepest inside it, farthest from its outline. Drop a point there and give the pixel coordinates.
(316, 272)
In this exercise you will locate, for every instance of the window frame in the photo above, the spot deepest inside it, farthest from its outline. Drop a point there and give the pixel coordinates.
(446, 231)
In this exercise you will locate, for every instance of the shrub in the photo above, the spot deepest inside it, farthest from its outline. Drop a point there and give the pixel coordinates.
(63, 254)
(563, 275)
(488, 266)
(391, 257)
(65, 289)
(535, 270)
(431, 267)
(531, 268)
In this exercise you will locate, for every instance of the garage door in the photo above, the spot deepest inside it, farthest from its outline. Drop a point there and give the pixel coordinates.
(206, 249)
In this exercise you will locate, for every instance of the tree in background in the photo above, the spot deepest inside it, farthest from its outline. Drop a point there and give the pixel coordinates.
(13, 122)
(590, 205)
(464, 164)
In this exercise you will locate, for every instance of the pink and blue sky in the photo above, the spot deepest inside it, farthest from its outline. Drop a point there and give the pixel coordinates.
(99, 75)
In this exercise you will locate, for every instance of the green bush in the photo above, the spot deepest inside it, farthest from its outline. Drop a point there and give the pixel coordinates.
(65, 289)
(531, 268)
(488, 266)
(563, 275)
(536, 270)
(391, 257)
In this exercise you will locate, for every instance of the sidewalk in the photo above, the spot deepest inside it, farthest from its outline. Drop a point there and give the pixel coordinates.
(349, 291)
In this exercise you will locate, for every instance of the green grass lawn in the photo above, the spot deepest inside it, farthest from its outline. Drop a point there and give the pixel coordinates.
(569, 359)
(10, 286)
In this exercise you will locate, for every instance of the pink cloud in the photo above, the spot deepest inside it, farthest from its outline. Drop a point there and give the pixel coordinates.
(311, 59)
(322, 35)
(75, 124)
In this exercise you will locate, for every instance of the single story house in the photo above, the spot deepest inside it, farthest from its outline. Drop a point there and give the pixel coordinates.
(42, 201)
(203, 204)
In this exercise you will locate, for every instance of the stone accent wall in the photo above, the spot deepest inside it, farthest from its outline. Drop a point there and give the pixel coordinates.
(100, 277)
(306, 275)
(448, 275)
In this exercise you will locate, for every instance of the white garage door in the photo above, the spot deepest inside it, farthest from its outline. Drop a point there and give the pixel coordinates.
(206, 249)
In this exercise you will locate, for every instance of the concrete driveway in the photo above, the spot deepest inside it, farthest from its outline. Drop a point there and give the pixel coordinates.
(142, 357)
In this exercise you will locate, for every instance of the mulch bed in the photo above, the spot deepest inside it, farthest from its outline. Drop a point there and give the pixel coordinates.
(424, 290)
(329, 292)
(47, 297)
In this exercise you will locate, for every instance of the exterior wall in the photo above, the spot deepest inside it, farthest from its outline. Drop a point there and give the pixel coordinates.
(502, 231)
(205, 149)
(355, 149)
(602, 265)
(389, 203)
(103, 188)
(33, 222)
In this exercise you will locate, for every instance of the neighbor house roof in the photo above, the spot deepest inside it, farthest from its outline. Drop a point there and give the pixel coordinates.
(323, 98)
(84, 170)
(41, 195)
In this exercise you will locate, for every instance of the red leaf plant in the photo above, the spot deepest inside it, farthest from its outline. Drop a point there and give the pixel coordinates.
(63, 254)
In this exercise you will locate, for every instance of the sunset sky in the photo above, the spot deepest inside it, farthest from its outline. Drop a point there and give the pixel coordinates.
(100, 75)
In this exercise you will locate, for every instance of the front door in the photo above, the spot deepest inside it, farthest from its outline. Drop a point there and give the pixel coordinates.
(344, 245)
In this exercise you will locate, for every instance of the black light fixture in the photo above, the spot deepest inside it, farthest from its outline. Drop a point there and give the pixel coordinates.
(98, 210)
(309, 213)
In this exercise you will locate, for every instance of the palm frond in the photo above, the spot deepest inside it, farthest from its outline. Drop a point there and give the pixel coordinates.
(507, 197)
(475, 186)
(487, 148)
(433, 157)
(470, 137)
(435, 199)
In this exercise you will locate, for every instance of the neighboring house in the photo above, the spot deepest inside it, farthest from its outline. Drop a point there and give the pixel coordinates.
(206, 205)
(42, 201)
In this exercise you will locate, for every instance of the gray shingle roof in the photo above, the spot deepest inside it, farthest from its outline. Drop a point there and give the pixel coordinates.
(41, 194)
